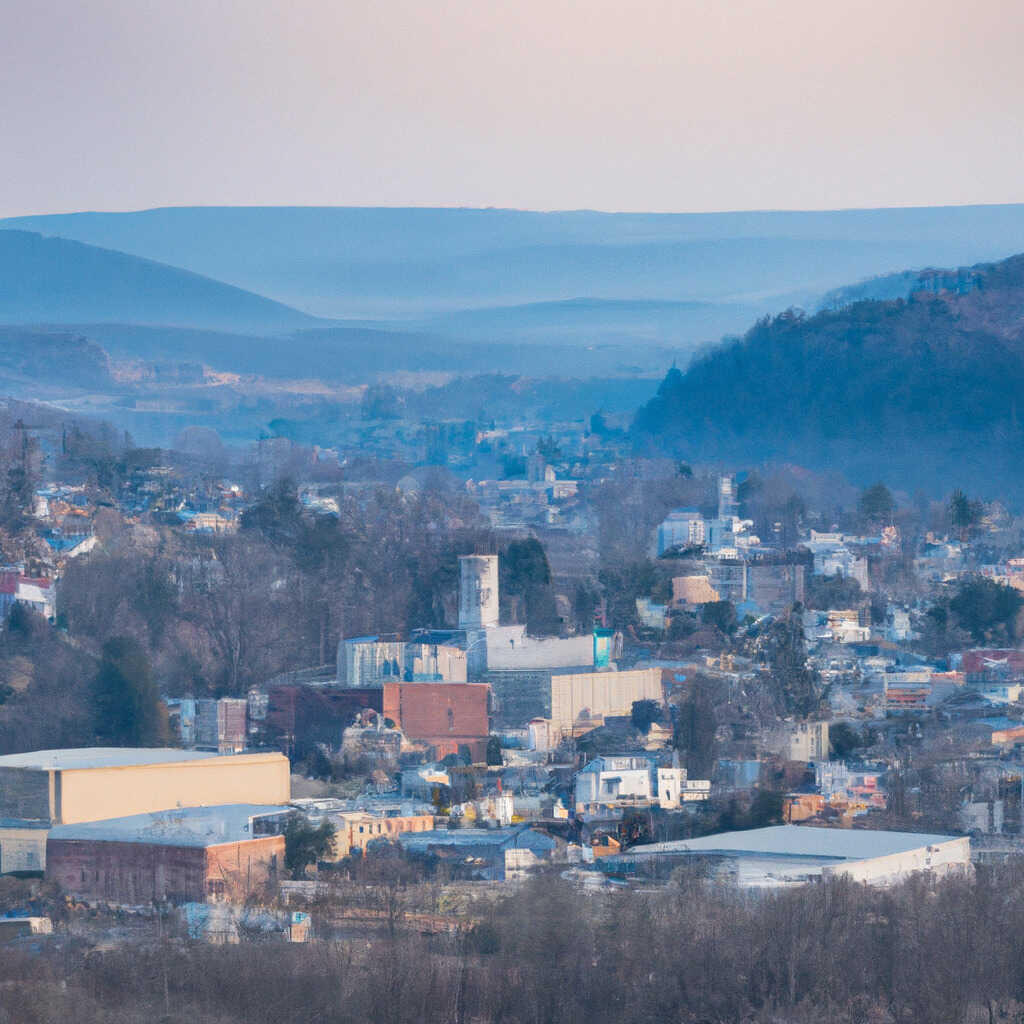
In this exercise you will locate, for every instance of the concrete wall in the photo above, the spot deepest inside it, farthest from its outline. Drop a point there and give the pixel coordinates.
(600, 694)
(509, 647)
(942, 858)
(22, 849)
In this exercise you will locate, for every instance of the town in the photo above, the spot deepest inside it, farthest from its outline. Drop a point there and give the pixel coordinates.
(781, 681)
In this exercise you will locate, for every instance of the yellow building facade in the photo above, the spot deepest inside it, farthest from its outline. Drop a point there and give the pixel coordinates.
(65, 787)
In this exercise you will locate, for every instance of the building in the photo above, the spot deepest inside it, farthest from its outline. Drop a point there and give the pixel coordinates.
(355, 830)
(511, 648)
(613, 782)
(367, 661)
(434, 663)
(486, 854)
(451, 717)
(798, 741)
(693, 590)
(681, 528)
(38, 594)
(302, 715)
(47, 788)
(13, 929)
(220, 725)
(478, 591)
(190, 854)
(627, 781)
(992, 665)
(676, 789)
(581, 701)
(785, 855)
(774, 589)
(370, 661)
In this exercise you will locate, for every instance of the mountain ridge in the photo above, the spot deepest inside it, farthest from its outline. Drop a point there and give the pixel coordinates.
(59, 280)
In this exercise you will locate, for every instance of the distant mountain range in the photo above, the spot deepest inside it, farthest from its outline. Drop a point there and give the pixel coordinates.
(461, 290)
(365, 263)
(926, 391)
(57, 281)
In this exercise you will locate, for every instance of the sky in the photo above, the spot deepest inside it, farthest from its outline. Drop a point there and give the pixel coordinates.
(681, 105)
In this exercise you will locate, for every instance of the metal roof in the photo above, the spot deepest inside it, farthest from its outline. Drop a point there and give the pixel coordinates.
(519, 838)
(183, 826)
(100, 757)
(798, 841)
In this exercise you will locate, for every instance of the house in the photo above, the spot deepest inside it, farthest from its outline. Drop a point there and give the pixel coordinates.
(183, 855)
(46, 788)
(38, 594)
(634, 781)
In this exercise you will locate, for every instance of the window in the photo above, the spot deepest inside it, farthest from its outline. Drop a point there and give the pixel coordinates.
(451, 720)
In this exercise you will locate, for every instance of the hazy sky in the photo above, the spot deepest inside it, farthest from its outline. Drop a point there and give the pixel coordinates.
(634, 105)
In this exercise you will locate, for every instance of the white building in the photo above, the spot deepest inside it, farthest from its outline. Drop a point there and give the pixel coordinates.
(785, 855)
(675, 789)
(370, 660)
(626, 781)
(682, 527)
(478, 591)
(611, 781)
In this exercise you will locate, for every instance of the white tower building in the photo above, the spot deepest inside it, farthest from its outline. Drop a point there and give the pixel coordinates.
(478, 591)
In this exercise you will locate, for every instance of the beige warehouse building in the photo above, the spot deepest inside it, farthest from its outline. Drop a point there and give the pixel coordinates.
(63, 787)
(580, 700)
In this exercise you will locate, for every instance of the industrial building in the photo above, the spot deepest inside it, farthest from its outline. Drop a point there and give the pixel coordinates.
(367, 661)
(793, 855)
(581, 701)
(191, 854)
(303, 714)
(46, 788)
(451, 717)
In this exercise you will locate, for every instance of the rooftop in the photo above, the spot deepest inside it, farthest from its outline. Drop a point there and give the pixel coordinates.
(183, 826)
(100, 757)
(521, 838)
(799, 841)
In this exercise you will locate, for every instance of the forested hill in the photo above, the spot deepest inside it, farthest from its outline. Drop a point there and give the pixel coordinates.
(926, 392)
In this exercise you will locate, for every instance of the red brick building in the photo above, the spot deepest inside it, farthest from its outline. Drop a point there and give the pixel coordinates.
(451, 717)
(191, 854)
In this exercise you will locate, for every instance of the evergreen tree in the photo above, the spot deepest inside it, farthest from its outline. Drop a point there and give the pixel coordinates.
(125, 703)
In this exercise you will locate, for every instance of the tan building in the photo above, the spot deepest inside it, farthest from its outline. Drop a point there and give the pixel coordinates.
(354, 830)
(62, 787)
(580, 701)
(693, 590)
